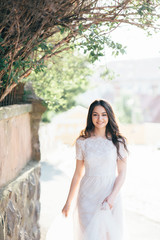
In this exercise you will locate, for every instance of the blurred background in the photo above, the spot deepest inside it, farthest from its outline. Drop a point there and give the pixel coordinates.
(57, 57)
(131, 83)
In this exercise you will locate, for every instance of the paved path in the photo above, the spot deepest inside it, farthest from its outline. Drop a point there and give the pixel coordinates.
(55, 182)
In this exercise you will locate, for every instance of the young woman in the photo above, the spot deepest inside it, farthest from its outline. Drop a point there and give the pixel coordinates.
(102, 152)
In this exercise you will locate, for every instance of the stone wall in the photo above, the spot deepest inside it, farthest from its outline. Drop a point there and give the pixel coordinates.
(20, 206)
(20, 171)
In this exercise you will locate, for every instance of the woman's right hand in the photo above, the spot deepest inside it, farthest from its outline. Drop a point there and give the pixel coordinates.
(66, 209)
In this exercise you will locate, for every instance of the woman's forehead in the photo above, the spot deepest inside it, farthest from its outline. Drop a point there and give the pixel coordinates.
(99, 109)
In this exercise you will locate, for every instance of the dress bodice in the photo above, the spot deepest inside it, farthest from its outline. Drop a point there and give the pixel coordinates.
(99, 155)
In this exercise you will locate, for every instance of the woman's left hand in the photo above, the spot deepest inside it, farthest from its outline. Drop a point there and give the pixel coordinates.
(110, 200)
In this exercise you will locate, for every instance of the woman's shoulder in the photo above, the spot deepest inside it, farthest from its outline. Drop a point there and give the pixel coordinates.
(80, 139)
(122, 147)
(80, 143)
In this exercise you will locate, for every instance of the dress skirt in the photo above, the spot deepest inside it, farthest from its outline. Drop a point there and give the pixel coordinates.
(92, 219)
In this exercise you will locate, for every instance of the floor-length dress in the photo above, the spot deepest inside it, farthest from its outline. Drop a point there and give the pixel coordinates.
(92, 220)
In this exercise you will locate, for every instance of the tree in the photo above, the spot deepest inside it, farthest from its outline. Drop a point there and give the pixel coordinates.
(62, 80)
(33, 31)
(128, 109)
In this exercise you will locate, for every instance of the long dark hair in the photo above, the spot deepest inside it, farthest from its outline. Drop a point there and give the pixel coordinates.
(112, 128)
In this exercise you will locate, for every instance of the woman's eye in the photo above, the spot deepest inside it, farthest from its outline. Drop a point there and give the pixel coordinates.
(104, 115)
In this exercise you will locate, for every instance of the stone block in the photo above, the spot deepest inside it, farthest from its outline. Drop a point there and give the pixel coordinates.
(20, 205)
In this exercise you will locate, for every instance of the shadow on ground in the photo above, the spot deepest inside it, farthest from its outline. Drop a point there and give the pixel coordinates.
(49, 172)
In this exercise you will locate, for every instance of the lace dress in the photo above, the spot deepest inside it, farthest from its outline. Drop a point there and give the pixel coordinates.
(92, 221)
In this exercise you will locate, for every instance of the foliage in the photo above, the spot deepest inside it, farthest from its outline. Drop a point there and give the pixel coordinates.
(33, 31)
(93, 42)
(108, 74)
(128, 109)
(62, 80)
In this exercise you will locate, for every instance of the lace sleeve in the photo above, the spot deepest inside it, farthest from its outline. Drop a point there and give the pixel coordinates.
(79, 149)
(122, 151)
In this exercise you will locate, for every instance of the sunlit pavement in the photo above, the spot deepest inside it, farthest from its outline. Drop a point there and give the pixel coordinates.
(141, 194)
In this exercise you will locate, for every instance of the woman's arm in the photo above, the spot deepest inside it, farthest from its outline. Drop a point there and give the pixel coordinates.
(74, 184)
(121, 167)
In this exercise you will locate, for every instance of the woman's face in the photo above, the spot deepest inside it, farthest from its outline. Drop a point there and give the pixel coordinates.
(99, 117)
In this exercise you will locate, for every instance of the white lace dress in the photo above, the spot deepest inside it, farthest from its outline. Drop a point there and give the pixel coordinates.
(91, 220)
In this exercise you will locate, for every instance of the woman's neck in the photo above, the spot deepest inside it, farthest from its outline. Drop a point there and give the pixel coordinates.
(99, 132)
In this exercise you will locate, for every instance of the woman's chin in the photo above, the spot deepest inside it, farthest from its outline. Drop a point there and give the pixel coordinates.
(100, 126)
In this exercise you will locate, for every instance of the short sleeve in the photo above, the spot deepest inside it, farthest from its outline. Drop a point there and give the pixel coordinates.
(79, 149)
(122, 150)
